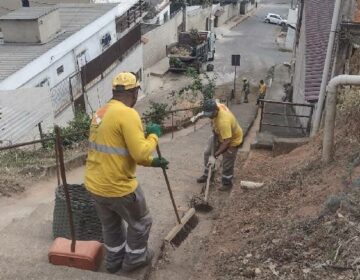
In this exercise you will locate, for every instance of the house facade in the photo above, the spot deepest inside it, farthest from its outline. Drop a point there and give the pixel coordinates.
(63, 59)
(310, 48)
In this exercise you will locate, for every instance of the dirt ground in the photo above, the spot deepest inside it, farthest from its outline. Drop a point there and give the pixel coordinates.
(303, 224)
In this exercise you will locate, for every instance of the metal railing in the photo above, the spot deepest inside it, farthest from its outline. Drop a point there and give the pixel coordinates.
(287, 112)
(116, 52)
(172, 113)
(44, 140)
(131, 16)
(61, 96)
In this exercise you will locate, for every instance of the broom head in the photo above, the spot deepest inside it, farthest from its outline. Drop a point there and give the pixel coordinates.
(88, 254)
(181, 231)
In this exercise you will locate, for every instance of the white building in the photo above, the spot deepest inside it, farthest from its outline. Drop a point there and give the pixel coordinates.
(74, 49)
(162, 13)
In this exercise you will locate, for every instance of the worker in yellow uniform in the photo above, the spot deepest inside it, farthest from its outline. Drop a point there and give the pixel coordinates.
(227, 138)
(262, 91)
(117, 144)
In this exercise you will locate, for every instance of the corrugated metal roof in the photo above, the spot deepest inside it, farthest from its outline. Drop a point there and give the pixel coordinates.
(318, 17)
(18, 119)
(28, 13)
(73, 17)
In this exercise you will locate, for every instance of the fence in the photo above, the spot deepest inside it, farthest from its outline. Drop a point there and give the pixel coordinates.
(170, 118)
(61, 96)
(170, 114)
(117, 51)
(64, 93)
(124, 22)
(75, 85)
(282, 115)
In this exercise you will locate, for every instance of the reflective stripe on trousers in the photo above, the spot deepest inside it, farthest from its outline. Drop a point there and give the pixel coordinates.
(228, 162)
(115, 249)
(127, 249)
(130, 243)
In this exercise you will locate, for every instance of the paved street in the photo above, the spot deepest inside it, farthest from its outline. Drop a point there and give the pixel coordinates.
(254, 40)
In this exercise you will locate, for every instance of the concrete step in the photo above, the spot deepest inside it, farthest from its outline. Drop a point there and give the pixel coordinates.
(24, 247)
(160, 69)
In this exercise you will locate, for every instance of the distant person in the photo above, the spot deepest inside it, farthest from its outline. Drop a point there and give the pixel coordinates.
(262, 91)
(227, 138)
(246, 89)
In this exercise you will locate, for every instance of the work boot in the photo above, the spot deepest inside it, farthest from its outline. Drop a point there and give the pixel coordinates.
(131, 267)
(114, 261)
(202, 179)
(114, 268)
(225, 188)
(226, 185)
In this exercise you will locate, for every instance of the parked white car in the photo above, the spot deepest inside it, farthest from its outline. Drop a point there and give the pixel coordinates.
(274, 18)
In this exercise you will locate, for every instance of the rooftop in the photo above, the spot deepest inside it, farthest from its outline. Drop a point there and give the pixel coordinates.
(318, 17)
(73, 17)
(28, 13)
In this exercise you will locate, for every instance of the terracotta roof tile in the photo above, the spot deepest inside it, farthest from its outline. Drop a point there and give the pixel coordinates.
(357, 13)
(318, 17)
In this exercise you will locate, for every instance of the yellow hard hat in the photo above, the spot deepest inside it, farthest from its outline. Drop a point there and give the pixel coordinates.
(125, 80)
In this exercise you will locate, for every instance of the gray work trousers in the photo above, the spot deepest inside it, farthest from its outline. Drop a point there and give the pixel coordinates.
(228, 163)
(124, 245)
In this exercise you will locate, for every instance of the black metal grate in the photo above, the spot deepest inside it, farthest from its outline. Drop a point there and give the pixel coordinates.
(86, 221)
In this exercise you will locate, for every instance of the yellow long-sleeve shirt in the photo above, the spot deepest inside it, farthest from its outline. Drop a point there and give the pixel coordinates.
(226, 126)
(262, 89)
(116, 145)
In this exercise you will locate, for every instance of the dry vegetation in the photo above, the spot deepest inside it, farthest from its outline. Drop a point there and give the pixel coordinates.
(305, 222)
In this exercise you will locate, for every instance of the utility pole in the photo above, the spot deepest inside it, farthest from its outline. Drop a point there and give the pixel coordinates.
(210, 22)
(184, 25)
(235, 61)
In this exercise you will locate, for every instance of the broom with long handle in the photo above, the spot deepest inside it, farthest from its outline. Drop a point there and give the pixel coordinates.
(185, 224)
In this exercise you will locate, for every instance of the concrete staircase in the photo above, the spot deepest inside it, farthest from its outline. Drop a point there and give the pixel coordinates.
(24, 246)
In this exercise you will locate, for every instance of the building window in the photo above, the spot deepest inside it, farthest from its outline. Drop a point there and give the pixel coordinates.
(166, 16)
(44, 83)
(138, 75)
(60, 70)
(105, 40)
(82, 58)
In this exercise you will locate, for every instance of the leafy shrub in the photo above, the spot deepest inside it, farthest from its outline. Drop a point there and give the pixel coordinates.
(76, 131)
(156, 113)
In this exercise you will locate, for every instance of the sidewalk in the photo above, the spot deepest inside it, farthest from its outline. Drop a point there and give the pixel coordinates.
(160, 68)
(26, 232)
(275, 93)
(231, 23)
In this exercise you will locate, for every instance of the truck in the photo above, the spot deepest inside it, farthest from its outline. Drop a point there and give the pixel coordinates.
(193, 49)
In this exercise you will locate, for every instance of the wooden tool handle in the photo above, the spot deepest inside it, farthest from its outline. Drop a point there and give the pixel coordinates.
(59, 145)
(207, 187)
(168, 187)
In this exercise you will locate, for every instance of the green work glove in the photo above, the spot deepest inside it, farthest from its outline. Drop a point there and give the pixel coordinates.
(153, 128)
(160, 162)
